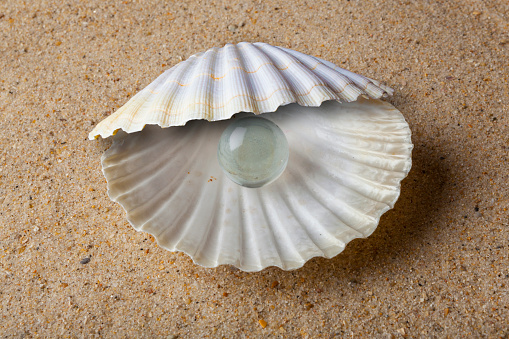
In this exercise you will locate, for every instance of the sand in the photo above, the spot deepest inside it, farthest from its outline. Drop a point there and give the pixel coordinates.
(72, 266)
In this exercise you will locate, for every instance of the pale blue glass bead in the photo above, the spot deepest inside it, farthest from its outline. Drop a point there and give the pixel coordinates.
(253, 151)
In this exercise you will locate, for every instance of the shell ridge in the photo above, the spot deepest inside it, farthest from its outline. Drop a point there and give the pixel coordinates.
(361, 190)
(373, 88)
(364, 180)
(218, 215)
(227, 72)
(136, 152)
(304, 181)
(163, 190)
(219, 87)
(376, 137)
(180, 75)
(251, 97)
(360, 86)
(348, 90)
(320, 171)
(268, 217)
(242, 86)
(171, 229)
(379, 145)
(305, 217)
(271, 82)
(241, 237)
(222, 231)
(197, 89)
(273, 219)
(323, 197)
(351, 158)
(209, 83)
(176, 94)
(145, 170)
(250, 250)
(206, 193)
(134, 212)
(299, 86)
(130, 110)
(318, 251)
(134, 156)
(246, 58)
(136, 105)
(331, 173)
(105, 124)
(252, 230)
(233, 220)
(364, 152)
(359, 80)
(170, 224)
(308, 69)
(344, 88)
(350, 154)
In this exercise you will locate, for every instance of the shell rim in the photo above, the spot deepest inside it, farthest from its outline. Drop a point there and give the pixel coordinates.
(93, 136)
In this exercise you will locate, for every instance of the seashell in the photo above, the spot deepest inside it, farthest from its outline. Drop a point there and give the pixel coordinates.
(347, 157)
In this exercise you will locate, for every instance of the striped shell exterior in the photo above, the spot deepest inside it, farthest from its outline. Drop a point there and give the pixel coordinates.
(216, 84)
(347, 158)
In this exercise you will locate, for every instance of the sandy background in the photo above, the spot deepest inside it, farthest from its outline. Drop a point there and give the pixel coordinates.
(437, 265)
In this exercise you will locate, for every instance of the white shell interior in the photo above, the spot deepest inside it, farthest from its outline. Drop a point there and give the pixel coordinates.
(344, 171)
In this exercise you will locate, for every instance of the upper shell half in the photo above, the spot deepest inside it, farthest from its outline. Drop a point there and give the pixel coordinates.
(347, 158)
(247, 77)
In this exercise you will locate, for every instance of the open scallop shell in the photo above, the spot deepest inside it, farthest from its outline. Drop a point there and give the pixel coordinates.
(344, 171)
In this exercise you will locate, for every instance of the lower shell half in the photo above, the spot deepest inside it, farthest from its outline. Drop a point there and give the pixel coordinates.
(344, 171)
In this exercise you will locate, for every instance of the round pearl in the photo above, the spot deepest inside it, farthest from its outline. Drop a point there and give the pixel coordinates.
(253, 151)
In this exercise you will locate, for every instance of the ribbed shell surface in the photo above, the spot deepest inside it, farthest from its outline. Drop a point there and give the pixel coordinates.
(344, 171)
(247, 77)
